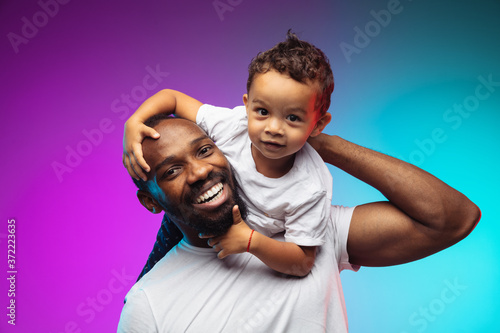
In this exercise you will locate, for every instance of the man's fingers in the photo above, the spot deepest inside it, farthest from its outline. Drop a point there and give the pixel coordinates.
(236, 215)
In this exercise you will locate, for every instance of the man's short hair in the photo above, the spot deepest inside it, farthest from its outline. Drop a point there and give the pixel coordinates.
(302, 61)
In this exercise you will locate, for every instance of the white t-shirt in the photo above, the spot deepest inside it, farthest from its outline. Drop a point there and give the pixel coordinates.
(297, 203)
(190, 290)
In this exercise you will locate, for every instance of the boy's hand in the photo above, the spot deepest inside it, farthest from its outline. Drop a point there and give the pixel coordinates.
(134, 133)
(234, 241)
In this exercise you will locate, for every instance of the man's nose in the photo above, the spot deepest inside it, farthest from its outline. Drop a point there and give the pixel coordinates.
(198, 170)
(274, 126)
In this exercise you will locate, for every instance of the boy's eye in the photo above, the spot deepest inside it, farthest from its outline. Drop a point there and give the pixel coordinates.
(262, 112)
(293, 118)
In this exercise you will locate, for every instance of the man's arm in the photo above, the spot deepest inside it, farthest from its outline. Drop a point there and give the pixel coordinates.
(423, 214)
(165, 101)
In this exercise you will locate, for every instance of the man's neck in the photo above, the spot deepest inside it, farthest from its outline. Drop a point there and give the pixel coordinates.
(190, 235)
(196, 241)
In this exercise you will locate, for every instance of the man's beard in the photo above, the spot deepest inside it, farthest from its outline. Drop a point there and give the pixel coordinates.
(218, 224)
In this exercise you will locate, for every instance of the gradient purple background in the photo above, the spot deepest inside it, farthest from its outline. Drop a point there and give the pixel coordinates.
(76, 232)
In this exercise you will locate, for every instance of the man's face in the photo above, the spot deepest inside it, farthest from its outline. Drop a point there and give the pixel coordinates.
(190, 177)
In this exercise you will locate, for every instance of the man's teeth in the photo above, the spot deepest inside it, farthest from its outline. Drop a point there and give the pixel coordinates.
(212, 194)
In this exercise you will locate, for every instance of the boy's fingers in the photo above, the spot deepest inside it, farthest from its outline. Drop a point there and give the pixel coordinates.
(136, 168)
(236, 215)
(128, 166)
(138, 162)
(205, 236)
(212, 241)
(221, 254)
(137, 151)
(151, 132)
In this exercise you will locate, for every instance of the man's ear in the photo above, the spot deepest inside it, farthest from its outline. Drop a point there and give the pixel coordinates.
(149, 202)
(321, 124)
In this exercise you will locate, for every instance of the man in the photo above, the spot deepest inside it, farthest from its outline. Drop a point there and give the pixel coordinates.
(190, 289)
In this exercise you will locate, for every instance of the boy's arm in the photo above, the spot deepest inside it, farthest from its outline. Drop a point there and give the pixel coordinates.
(165, 101)
(284, 257)
(423, 215)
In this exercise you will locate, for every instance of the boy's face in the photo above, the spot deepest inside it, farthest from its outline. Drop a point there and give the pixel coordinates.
(281, 115)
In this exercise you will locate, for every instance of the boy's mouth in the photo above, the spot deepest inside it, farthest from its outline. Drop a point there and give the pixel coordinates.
(271, 145)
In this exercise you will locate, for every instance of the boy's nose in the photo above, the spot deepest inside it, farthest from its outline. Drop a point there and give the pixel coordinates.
(274, 127)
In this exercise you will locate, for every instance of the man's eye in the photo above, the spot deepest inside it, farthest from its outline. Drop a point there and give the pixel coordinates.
(262, 112)
(170, 173)
(293, 118)
(205, 151)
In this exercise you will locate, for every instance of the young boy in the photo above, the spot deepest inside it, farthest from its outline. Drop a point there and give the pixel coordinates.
(284, 181)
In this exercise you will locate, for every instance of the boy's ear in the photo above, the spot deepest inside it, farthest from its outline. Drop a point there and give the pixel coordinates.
(245, 99)
(321, 124)
(147, 200)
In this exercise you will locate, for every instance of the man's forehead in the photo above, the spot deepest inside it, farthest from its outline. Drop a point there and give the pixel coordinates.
(178, 126)
(176, 135)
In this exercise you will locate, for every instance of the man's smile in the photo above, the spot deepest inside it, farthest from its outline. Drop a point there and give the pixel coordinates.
(212, 198)
(212, 194)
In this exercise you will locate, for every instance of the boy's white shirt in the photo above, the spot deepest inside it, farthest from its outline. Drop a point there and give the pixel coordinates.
(297, 203)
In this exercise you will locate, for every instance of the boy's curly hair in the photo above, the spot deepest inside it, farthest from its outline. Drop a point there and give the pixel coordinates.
(302, 61)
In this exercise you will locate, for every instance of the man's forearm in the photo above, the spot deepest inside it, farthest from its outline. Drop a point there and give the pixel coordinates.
(417, 193)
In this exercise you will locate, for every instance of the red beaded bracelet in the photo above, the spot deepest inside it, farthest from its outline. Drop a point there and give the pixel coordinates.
(250, 240)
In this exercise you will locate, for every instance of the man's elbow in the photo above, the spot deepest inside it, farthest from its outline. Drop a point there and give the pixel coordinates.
(473, 220)
(469, 217)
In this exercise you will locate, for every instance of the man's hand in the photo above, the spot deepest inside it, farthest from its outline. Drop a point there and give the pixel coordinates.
(134, 133)
(234, 241)
(317, 141)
